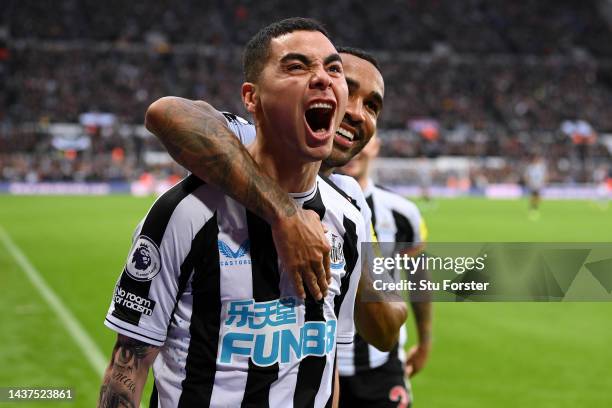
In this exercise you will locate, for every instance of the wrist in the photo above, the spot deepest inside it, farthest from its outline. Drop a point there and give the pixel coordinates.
(282, 211)
(425, 341)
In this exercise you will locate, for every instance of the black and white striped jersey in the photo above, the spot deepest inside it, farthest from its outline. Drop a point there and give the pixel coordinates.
(203, 282)
(395, 219)
(352, 189)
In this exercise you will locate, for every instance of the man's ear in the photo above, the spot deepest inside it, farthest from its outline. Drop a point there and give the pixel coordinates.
(250, 96)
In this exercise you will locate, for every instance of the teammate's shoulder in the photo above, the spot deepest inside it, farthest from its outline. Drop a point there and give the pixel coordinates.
(233, 118)
(396, 201)
(347, 184)
(242, 128)
(383, 188)
(341, 190)
(387, 193)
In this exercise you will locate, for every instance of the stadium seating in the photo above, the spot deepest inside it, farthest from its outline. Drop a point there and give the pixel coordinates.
(494, 77)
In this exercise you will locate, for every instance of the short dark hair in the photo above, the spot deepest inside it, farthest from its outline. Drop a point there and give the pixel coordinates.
(359, 53)
(257, 50)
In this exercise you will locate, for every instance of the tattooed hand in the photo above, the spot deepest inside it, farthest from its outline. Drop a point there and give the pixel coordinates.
(126, 374)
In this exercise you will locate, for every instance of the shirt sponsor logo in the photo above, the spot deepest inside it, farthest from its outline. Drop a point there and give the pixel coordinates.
(144, 262)
(132, 301)
(270, 332)
(230, 257)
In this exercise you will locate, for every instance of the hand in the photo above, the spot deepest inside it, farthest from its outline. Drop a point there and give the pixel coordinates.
(303, 249)
(416, 359)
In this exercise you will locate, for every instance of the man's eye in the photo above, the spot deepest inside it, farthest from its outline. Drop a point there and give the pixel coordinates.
(335, 68)
(372, 107)
(295, 67)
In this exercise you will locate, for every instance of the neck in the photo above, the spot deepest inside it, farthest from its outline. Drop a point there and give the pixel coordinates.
(293, 176)
(326, 170)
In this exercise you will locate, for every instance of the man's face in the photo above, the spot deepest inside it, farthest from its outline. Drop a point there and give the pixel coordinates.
(301, 95)
(366, 91)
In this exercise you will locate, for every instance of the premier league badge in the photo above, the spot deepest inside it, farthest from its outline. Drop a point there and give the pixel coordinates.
(144, 261)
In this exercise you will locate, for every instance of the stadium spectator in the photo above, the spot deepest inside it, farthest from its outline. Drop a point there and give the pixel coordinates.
(492, 78)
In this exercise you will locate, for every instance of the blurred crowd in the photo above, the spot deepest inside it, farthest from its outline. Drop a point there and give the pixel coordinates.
(468, 26)
(496, 78)
(110, 157)
(505, 92)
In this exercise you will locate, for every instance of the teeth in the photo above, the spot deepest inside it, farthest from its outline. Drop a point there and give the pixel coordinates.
(321, 130)
(345, 133)
(321, 105)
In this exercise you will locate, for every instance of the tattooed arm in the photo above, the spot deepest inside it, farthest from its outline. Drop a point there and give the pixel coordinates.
(126, 375)
(198, 138)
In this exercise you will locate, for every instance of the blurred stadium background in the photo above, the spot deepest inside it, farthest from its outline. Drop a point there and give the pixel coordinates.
(474, 88)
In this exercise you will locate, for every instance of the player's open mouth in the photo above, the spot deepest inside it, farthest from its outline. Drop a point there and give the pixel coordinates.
(319, 117)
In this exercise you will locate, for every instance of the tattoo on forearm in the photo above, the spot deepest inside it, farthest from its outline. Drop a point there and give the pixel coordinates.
(208, 148)
(125, 380)
(119, 386)
(130, 354)
(111, 398)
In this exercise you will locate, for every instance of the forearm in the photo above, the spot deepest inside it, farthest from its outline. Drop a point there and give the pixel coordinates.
(126, 375)
(379, 322)
(421, 307)
(197, 137)
(422, 316)
(378, 316)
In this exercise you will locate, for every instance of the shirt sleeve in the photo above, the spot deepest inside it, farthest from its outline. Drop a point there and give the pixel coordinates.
(146, 292)
(242, 128)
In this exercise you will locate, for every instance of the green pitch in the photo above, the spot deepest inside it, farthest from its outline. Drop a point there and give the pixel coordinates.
(484, 355)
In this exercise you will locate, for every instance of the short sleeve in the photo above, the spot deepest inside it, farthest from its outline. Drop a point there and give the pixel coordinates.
(146, 292)
(242, 128)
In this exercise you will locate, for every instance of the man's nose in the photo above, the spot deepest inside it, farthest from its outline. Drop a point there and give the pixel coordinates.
(320, 79)
(355, 110)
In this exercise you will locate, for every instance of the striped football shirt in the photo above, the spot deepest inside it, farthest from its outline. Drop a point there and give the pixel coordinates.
(203, 282)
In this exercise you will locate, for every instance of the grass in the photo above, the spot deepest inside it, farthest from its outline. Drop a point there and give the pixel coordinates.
(484, 355)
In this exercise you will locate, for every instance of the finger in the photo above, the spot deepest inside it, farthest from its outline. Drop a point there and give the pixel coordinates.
(313, 286)
(319, 269)
(327, 260)
(299, 285)
(326, 268)
(322, 275)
